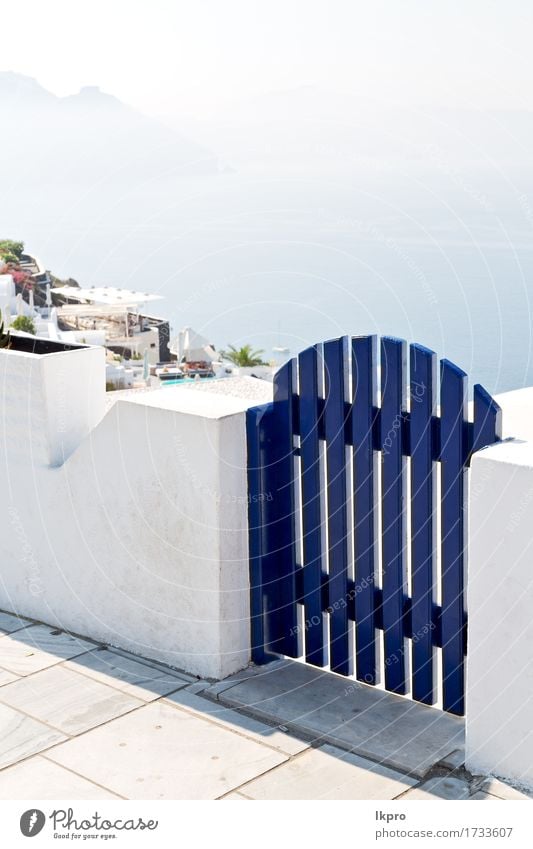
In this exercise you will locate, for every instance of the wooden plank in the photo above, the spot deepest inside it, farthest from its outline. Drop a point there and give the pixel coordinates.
(281, 530)
(341, 657)
(393, 405)
(257, 521)
(364, 373)
(423, 383)
(315, 622)
(453, 402)
(487, 419)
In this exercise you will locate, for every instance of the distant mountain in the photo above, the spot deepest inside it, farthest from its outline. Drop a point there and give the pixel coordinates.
(86, 138)
(16, 89)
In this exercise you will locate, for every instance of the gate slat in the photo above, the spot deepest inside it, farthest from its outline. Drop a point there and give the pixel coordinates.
(393, 383)
(341, 659)
(487, 419)
(315, 628)
(364, 366)
(282, 551)
(453, 402)
(423, 383)
(256, 522)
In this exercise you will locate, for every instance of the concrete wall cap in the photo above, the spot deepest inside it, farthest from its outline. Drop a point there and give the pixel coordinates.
(178, 400)
(513, 452)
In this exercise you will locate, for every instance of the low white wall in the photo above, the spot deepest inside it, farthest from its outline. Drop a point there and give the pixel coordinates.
(49, 403)
(517, 413)
(139, 538)
(499, 700)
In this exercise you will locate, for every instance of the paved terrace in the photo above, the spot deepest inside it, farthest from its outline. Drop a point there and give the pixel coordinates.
(82, 721)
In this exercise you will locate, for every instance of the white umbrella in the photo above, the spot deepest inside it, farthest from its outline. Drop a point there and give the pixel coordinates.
(193, 347)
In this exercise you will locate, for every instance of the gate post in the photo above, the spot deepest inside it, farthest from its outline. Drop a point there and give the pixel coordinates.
(499, 692)
(274, 617)
(255, 435)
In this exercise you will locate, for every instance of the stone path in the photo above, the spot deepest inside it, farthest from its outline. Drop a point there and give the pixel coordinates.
(79, 721)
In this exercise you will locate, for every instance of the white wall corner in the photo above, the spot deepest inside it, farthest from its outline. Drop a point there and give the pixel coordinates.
(51, 403)
(499, 690)
(74, 394)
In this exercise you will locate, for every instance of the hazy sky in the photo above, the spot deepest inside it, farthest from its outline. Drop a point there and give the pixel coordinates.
(192, 57)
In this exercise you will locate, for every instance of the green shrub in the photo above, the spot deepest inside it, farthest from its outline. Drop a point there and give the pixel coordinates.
(10, 247)
(24, 323)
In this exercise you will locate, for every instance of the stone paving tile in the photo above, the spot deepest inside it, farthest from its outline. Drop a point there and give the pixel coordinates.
(235, 797)
(39, 778)
(402, 734)
(485, 797)
(439, 788)
(328, 773)
(7, 677)
(220, 687)
(9, 623)
(198, 686)
(137, 679)
(38, 647)
(234, 721)
(68, 701)
(159, 752)
(455, 759)
(21, 736)
(503, 791)
(163, 667)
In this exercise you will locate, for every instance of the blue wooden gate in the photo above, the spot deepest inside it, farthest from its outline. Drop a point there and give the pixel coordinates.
(357, 486)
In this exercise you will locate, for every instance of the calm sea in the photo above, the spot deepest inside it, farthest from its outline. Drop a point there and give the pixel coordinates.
(291, 260)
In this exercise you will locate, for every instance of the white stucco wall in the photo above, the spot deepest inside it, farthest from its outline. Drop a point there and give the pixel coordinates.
(517, 413)
(499, 701)
(49, 403)
(139, 537)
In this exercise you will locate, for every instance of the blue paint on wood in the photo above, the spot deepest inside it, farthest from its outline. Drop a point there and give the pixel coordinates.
(423, 386)
(453, 402)
(364, 370)
(282, 547)
(315, 622)
(341, 658)
(393, 380)
(256, 530)
(279, 584)
(487, 419)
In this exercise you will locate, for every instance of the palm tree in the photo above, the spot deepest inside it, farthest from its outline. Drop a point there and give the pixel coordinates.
(244, 356)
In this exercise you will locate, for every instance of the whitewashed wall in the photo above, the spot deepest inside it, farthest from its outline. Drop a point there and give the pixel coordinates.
(139, 537)
(499, 699)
